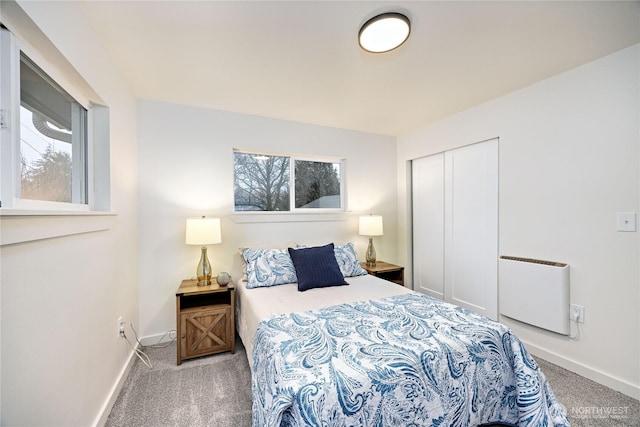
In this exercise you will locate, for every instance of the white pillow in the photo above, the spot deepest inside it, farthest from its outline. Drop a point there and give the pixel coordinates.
(348, 260)
(268, 267)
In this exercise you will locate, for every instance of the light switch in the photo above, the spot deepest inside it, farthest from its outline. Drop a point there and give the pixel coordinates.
(626, 221)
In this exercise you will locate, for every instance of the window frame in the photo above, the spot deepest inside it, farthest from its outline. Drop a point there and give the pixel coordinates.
(292, 183)
(11, 203)
(292, 205)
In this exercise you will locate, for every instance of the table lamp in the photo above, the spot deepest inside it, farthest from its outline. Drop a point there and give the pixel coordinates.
(203, 231)
(371, 225)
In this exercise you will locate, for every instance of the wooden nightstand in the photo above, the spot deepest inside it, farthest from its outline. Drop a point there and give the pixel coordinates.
(384, 270)
(205, 319)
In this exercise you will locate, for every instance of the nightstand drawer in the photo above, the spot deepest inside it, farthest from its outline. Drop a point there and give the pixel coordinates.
(205, 330)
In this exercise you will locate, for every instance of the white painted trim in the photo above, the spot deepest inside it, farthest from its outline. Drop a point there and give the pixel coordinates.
(631, 390)
(20, 228)
(261, 217)
(101, 419)
(158, 338)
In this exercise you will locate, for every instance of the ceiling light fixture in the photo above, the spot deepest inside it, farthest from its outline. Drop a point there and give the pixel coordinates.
(384, 32)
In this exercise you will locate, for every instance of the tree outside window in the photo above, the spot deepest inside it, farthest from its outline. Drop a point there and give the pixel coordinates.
(317, 184)
(264, 183)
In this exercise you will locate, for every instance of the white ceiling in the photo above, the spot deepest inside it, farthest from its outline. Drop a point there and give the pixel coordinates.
(300, 60)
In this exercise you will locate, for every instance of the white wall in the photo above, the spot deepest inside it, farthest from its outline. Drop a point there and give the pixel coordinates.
(569, 161)
(185, 167)
(61, 297)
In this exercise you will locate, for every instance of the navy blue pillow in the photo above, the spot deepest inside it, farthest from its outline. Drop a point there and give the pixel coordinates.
(316, 267)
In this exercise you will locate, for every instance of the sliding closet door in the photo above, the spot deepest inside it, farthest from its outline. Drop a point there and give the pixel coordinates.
(471, 228)
(428, 225)
(455, 226)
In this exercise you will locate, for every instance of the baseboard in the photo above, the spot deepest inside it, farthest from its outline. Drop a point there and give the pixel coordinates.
(607, 380)
(115, 391)
(158, 339)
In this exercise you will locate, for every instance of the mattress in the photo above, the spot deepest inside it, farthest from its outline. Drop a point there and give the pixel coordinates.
(255, 305)
(375, 353)
(401, 360)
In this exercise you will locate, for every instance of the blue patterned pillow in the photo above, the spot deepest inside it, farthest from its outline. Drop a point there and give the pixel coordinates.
(348, 261)
(316, 267)
(268, 267)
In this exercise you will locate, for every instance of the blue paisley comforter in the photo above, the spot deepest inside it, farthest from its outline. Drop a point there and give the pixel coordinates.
(406, 360)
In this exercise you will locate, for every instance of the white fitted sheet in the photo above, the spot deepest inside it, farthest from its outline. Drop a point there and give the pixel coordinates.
(255, 305)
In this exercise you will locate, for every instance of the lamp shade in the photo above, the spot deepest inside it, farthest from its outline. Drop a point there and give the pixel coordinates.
(203, 231)
(371, 225)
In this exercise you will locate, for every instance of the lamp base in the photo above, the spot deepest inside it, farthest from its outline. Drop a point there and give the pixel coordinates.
(203, 273)
(371, 254)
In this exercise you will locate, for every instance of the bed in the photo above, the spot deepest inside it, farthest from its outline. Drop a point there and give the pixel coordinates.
(372, 353)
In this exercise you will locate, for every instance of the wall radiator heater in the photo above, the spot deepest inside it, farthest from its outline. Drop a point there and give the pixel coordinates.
(535, 292)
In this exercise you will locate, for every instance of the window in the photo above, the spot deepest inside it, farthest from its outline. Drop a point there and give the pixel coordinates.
(53, 139)
(49, 134)
(264, 182)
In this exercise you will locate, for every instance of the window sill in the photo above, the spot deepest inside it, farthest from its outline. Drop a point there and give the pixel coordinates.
(20, 226)
(263, 217)
(42, 212)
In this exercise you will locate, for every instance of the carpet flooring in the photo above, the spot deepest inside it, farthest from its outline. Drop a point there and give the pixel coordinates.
(208, 391)
(216, 391)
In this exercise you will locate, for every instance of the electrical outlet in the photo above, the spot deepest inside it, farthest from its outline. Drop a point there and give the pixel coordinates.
(576, 312)
(120, 326)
